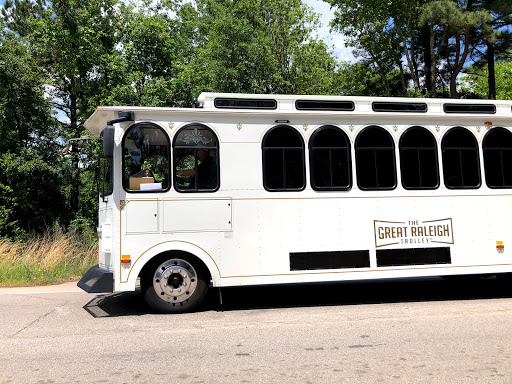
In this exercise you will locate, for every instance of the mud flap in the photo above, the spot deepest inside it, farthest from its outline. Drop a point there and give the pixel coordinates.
(97, 280)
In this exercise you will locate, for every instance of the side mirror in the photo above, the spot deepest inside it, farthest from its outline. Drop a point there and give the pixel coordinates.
(108, 141)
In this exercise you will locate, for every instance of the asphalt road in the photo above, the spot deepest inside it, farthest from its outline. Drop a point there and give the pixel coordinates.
(409, 331)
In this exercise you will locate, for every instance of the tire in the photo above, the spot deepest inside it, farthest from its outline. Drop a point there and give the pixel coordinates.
(175, 284)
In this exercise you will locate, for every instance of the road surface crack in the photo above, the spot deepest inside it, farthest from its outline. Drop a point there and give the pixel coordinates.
(37, 320)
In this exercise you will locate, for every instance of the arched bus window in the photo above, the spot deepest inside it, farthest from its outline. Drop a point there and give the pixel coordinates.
(283, 160)
(418, 159)
(196, 159)
(146, 155)
(460, 159)
(329, 154)
(497, 148)
(375, 159)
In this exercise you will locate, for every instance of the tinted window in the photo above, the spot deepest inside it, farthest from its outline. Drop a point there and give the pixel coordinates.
(325, 105)
(146, 159)
(375, 159)
(418, 159)
(106, 177)
(384, 106)
(234, 103)
(196, 159)
(283, 160)
(497, 147)
(469, 108)
(460, 159)
(329, 154)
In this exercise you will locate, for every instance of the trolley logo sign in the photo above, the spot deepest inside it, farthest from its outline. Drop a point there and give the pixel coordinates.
(413, 233)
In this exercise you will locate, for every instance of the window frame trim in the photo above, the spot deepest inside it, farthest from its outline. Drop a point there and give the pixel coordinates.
(144, 123)
(436, 150)
(311, 161)
(395, 185)
(303, 156)
(483, 157)
(173, 159)
(479, 170)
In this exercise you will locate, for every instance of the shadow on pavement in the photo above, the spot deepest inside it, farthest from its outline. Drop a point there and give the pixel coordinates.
(345, 293)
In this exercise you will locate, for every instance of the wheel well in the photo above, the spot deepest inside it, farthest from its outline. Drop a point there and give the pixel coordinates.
(161, 257)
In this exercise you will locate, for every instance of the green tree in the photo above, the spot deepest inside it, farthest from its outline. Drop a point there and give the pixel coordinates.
(455, 21)
(31, 195)
(478, 85)
(263, 46)
(383, 32)
(494, 39)
(74, 42)
(363, 79)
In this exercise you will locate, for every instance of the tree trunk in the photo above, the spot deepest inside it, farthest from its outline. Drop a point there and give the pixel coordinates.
(491, 79)
(74, 198)
(433, 64)
(459, 63)
(410, 64)
(426, 37)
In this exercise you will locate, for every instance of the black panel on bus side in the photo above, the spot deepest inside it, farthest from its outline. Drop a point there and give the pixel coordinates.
(413, 256)
(303, 261)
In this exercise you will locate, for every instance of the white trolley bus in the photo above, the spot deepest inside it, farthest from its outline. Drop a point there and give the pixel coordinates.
(278, 189)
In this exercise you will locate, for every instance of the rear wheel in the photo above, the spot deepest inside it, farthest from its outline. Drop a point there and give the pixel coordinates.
(175, 284)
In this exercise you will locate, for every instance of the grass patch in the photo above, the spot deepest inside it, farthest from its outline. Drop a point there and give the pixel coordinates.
(47, 259)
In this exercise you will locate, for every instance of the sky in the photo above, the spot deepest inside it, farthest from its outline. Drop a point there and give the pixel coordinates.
(334, 40)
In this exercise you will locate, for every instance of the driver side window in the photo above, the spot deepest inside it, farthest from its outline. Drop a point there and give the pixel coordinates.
(146, 154)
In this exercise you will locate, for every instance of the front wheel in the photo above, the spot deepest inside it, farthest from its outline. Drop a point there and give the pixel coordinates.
(175, 285)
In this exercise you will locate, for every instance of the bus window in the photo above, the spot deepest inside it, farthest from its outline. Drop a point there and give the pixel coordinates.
(106, 177)
(497, 148)
(283, 160)
(146, 159)
(329, 154)
(418, 159)
(196, 159)
(375, 159)
(460, 159)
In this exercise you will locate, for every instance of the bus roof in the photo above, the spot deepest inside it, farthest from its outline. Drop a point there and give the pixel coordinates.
(210, 102)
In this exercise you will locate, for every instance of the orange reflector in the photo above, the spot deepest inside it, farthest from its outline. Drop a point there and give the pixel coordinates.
(126, 259)
(488, 124)
(500, 247)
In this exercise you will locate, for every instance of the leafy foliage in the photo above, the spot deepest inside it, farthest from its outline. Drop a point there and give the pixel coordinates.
(60, 59)
(478, 87)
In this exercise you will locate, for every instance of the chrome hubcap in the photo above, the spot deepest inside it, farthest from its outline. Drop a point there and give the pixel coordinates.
(175, 280)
